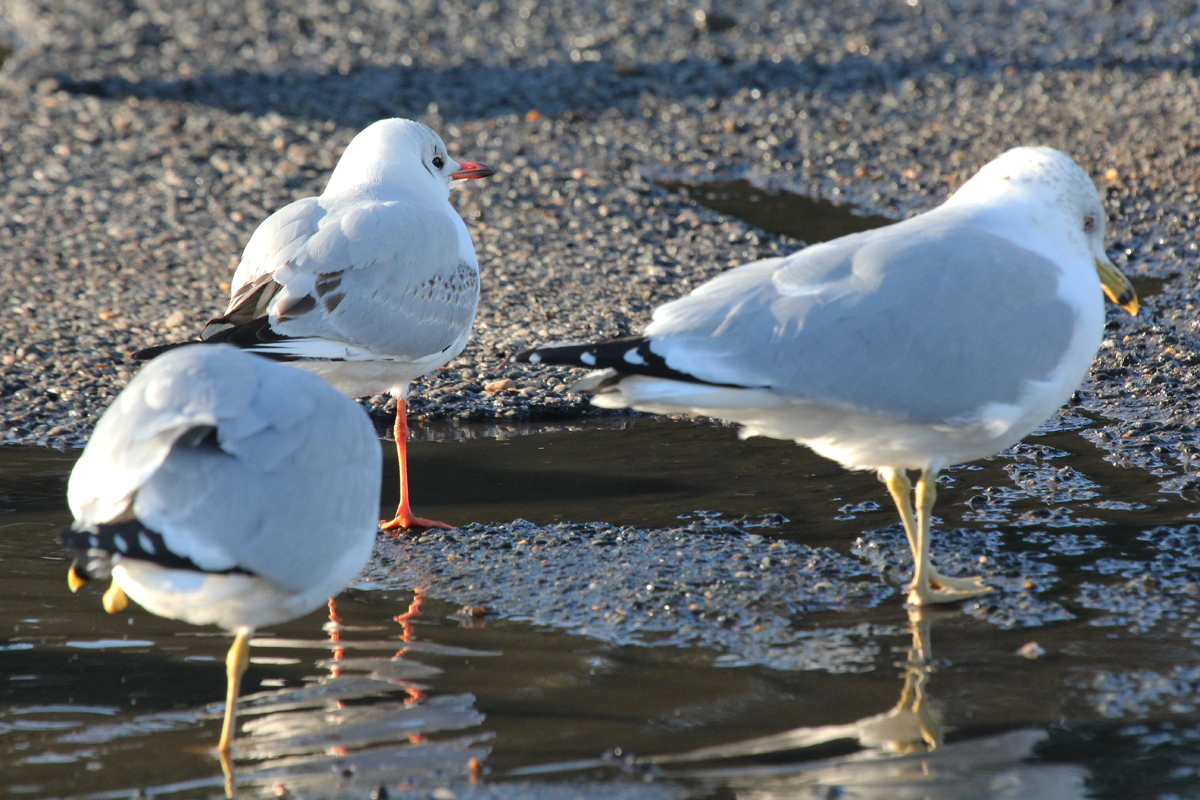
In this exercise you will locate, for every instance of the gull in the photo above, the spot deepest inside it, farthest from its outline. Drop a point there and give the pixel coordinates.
(370, 285)
(221, 488)
(933, 341)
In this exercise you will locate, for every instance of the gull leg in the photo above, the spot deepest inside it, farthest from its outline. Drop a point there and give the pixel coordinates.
(900, 489)
(405, 519)
(922, 590)
(235, 666)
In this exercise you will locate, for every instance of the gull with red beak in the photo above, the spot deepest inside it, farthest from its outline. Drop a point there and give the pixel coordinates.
(370, 285)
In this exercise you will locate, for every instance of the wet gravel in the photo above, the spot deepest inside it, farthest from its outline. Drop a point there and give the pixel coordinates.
(712, 583)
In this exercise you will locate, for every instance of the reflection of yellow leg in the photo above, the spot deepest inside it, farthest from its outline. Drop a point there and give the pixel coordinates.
(114, 599)
(235, 666)
(928, 585)
(920, 660)
(227, 770)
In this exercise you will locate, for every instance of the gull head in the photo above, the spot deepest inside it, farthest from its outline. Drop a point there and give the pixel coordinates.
(400, 157)
(1049, 200)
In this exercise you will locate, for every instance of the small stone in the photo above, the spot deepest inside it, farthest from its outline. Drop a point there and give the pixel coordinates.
(499, 386)
(1030, 650)
(175, 320)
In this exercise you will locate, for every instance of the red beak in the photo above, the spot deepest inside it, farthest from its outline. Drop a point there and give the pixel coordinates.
(472, 169)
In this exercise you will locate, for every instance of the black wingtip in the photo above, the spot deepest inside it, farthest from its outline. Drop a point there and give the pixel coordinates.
(158, 350)
(631, 355)
(94, 549)
(594, 355)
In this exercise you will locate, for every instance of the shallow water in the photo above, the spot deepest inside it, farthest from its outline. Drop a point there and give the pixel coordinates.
(780, 211)
(99, 705)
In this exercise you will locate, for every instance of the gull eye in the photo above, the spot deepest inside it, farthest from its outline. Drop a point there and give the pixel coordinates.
(439, 162)
(1089, 223)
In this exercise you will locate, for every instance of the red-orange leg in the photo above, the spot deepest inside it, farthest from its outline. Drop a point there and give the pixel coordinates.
(405, 519)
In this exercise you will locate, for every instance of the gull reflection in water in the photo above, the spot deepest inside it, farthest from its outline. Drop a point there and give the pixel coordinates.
(904, 755)
(367, 723)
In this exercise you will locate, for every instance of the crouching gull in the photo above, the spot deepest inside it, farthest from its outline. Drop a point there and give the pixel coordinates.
(221, 488)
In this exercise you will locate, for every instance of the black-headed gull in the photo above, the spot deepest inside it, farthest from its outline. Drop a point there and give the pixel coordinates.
(224, 489)
(941, 339)
(369, 285)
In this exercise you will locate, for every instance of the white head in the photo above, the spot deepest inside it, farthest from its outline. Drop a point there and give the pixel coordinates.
(400, 157)
(1057, 198)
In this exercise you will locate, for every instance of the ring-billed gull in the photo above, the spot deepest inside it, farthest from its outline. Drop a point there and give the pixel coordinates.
(223, 489)
(370, 285)
(937, 340)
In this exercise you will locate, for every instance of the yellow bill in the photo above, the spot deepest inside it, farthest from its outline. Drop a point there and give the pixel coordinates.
(1117, 286)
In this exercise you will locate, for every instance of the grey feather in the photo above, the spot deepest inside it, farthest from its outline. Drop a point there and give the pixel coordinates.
(870, 322)
(383, 275)
(297, 464)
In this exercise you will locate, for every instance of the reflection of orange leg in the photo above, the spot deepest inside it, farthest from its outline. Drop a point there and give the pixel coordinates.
(335, 635)
(405, 619)
(405, 519)
(406, 635)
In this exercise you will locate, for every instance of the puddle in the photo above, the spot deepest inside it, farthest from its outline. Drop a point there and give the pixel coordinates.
(1146, 286)
(556, 698)
(783, 212)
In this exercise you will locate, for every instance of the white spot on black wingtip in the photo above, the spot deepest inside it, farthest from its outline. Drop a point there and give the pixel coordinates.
(534, 358)
(120, 543)
(634, 357)
(93, 541)
(146, 542)
(588, 358)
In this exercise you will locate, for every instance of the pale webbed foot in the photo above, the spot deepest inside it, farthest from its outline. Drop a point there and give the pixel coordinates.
(973, 585)
(946, 590)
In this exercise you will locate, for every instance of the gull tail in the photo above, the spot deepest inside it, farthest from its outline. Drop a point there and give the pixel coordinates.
(614, 360)
(96, 548)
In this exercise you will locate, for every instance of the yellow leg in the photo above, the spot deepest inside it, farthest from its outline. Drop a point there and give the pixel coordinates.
(922, 590)
(114, 599)
(900, 488)
(235, 666)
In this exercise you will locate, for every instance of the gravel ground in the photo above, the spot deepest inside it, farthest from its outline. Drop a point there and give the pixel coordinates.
(141, 143)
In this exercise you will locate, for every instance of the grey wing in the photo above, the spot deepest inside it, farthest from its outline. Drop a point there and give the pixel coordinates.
(919, 322)
(272, 247)
(278, 489)
(176, 392)
(385, 276)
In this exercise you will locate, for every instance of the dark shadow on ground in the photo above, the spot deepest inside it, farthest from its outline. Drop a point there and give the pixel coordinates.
(476, 91)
